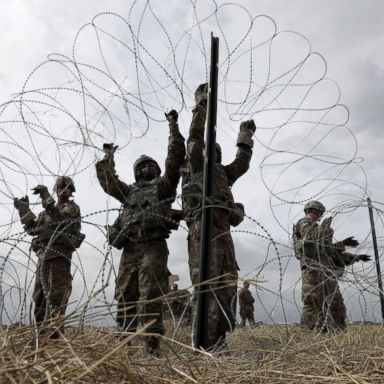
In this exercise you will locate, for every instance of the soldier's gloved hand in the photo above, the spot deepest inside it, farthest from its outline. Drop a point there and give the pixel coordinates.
(41, 190)
(247, 129)
(26, 215)
(350, 242)
(109, 149)
(172, 116)
(21, 203)
(201, 94)
(364, 258)
(46, 198)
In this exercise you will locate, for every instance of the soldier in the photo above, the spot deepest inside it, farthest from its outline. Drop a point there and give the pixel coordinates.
(246, 305)
(56, 235)
(227, 213)
(322, 263)
(141, 230)
(179, 302)
(175, 301)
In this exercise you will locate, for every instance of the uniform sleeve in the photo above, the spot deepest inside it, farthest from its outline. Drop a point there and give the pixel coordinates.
(32, 225)
(28, 219)
(109, 180)
(239, 165)
(343, 259)
(175, 157)
(195, 142)
(349, 258)
(334, 251)
(68, 211)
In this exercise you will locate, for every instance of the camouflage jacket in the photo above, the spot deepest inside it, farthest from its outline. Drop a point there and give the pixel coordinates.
(56, 230)
(245, 298)
(314, 248)
(225, 176)
(145, 204)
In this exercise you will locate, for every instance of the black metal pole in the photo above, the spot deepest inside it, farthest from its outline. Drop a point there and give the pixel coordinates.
(201, 324)
(376, 251)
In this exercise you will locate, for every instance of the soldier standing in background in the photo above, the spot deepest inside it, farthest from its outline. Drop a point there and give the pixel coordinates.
(227, 213)
(141, 230)
(246, 301)
(175, 301)
(179, 302)
(322, 264)
(56, 233)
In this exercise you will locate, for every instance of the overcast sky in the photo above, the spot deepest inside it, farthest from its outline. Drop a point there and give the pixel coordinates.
(345, 160)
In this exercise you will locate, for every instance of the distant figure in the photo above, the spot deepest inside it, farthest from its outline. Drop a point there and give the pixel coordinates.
(322, 263)
(141, 231)
(246, 301)
(179, 301)
(56, 235)
(175, 302)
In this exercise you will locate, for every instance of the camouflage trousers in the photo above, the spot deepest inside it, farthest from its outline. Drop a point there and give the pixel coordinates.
(323, 304)
(141, 282)
(53, 285)
(246, 313)
(223, 296)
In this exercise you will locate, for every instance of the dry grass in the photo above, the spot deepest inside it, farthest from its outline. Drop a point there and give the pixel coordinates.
(263, 354)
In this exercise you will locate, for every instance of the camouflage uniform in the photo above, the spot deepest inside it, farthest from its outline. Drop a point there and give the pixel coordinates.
(144, 226)
(322, 263)
(56, 234)
(223, 263)
(246, 301)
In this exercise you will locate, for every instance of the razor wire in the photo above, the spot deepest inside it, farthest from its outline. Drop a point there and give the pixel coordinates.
(122, 74)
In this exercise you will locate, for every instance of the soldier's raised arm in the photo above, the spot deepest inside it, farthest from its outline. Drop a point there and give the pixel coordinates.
(240, 164)
(175, 155)
(195, 142)
(57, 214)
(106, 174)
(70, 210)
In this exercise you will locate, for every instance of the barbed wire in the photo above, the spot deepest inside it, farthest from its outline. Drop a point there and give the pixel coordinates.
(115, 86)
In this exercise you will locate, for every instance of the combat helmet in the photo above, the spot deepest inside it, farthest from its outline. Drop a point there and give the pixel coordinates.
(144, 159)
(314, 204)
(64, 181)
